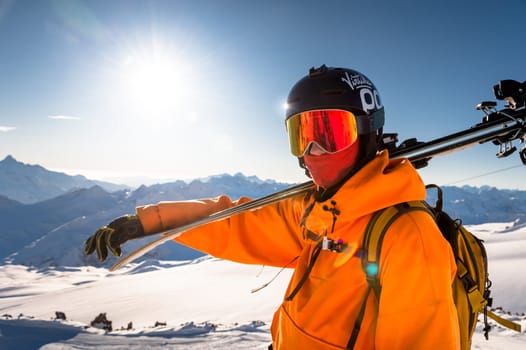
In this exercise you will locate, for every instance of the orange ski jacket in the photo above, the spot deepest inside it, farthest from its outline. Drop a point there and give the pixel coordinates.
(417, 268)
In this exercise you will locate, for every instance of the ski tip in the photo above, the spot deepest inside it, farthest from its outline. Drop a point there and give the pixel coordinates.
(116, 266)
(121, 263)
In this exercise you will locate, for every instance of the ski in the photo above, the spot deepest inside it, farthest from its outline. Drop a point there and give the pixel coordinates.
(223, 214)
(500, 127)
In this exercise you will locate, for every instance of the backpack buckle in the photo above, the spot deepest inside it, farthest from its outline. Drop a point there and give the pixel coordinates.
(332, 245)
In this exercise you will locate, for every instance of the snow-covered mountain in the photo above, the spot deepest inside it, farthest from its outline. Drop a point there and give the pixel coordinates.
(25, 224)
(52, 232)
(477, 205)
(33, 183)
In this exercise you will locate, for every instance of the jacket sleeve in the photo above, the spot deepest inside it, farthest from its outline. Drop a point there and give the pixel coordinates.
(417, 268)
(268, 236)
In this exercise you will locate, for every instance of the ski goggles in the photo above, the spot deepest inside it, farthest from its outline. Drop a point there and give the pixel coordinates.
(331, 129)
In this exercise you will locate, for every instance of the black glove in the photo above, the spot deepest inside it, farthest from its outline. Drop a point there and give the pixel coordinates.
(113, 236)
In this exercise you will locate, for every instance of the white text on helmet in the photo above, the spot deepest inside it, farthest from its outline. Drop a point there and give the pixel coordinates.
(356, 80)
(370, 99)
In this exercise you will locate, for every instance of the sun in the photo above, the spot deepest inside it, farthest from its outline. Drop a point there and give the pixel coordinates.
(156, 81)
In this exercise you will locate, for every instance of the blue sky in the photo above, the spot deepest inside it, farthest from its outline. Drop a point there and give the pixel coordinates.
(191, 88)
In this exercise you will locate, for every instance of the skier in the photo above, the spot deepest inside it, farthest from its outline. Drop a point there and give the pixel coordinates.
(334, 120)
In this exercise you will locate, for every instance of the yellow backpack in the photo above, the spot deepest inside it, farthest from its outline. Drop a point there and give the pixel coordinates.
(471, 291)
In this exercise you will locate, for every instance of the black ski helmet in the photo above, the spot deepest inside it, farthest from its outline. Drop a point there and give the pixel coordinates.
(338, 88)
(342, 88)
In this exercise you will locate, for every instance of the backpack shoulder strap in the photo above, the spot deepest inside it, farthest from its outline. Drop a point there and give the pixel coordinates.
(374, 235)
(371, 250)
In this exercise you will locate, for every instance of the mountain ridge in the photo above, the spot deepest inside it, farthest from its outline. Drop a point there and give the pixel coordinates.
(52, 231)
(32, 183)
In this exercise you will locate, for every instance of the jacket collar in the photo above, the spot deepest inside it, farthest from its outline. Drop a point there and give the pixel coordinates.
(380, 183)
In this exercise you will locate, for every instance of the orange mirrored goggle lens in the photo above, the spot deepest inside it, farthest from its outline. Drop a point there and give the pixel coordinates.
(331, 129)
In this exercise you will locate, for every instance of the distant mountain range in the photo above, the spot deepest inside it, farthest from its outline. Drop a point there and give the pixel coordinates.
(51, 232)
(32, 183)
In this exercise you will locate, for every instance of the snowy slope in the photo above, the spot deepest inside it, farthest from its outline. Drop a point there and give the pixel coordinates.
(206, 303)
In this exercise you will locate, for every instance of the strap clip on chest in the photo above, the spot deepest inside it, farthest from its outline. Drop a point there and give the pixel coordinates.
(332, 245)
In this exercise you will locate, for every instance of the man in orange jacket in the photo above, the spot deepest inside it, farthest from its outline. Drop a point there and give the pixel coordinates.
(334, 120)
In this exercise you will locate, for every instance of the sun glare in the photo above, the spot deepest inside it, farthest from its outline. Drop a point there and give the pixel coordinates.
(157, 82)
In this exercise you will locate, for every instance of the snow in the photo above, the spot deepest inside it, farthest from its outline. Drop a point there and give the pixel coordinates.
(205, 303)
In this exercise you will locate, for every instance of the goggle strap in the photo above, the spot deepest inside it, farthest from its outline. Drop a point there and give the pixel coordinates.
(367, 124)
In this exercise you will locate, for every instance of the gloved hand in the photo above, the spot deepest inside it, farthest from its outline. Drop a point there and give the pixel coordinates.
(113, 236)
